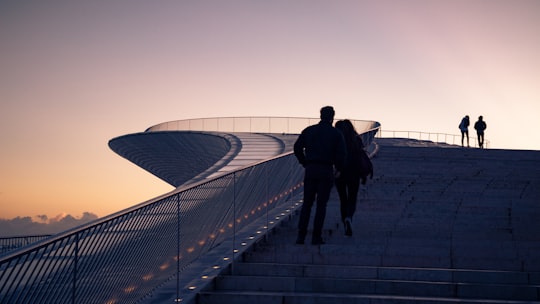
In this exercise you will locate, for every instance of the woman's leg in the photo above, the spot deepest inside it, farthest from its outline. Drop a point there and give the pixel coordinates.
(341, 188)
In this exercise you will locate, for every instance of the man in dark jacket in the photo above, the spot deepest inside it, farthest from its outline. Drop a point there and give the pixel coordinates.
(319, 148)
(480, 126)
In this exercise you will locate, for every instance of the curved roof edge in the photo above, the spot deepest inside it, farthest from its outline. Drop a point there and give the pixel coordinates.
(186, 151)
(175, 157)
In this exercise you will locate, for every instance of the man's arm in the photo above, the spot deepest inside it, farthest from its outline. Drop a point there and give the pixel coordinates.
(299, 149)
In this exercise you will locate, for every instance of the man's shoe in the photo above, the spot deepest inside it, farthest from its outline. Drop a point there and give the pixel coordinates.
(348, 228)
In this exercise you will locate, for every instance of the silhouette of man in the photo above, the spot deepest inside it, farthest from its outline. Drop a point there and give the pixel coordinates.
(464, 127)
(319, 148)
(480, 126)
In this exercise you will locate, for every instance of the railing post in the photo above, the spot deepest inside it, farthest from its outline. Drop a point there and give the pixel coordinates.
(75, 261)
(177, 246)
(234, 224)
(267, 198)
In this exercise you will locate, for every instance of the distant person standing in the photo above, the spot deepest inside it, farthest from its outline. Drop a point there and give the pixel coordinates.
(480, 126)
(464, 127)
(319, 149)
(348, 182)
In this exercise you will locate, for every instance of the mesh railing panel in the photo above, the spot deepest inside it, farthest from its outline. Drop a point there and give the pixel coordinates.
(123, 258)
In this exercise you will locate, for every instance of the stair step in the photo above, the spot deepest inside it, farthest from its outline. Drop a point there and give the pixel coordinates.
(385, 273)
(250, 297)
(375, 286)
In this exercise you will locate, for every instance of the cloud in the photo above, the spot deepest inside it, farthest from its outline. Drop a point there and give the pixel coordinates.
(41, 224)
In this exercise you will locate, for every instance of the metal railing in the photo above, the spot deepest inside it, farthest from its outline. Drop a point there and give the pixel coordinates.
(262, 124)
(14, 242)
(451, 139)
(123, 257)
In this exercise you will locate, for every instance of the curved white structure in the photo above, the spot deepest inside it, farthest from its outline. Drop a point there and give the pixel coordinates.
(185, 151)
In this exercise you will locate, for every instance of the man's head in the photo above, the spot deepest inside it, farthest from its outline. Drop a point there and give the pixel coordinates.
(327, 113)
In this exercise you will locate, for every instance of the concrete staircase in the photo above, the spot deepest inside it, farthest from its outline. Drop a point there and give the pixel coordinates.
(435, 225)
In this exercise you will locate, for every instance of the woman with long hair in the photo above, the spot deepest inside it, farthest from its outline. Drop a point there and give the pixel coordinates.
(348, 182)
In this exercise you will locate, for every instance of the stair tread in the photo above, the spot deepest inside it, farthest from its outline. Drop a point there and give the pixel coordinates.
(358, 296)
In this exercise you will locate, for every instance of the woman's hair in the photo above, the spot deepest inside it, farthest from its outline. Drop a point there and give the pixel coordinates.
(349, 132)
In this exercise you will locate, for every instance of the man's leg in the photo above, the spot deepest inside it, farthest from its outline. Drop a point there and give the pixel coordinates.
(324, 186)
(310, 191)
(482, 145)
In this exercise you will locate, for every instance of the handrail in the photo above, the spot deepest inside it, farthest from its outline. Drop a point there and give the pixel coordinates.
(431, 136)
(254, 124)
(13, 242)
(122, 257)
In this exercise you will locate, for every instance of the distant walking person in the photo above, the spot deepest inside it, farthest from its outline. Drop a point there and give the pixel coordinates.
(348, 182)
(320, 148)
(480, 126)
(464, 127)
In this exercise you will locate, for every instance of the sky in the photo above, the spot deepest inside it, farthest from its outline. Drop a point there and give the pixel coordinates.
(75, 74)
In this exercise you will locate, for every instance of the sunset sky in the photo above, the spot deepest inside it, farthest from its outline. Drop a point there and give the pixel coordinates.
(74, 74)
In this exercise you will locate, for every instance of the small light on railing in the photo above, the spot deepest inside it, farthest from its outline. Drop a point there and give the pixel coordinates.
(164, 266)
(204, 277)
(265, 227)
(258, 232)
(222, 230)
(192, 287)
(243, 243)
(226, 258)
(190, 249)
(282, 214)
(236, 250)
(129, 289)
(230, 225)
(271, 222)
(178, 300)
(215, 267)
(251, 237)
(148, 277)
(201, 243)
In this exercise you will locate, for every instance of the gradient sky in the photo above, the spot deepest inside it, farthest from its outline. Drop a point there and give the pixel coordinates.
(74, 74)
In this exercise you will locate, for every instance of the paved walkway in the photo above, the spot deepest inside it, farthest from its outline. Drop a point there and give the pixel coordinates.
(447, 210)
(451, 208)
(437, 224)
